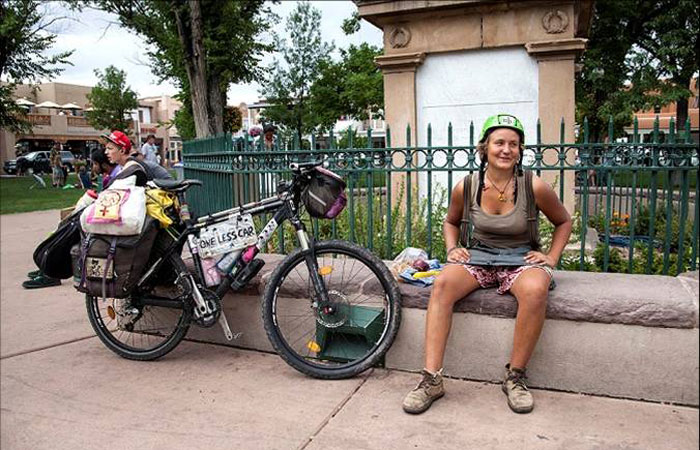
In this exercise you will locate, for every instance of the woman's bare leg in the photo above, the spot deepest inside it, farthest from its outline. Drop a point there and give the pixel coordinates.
(453, 284)
(531, 288)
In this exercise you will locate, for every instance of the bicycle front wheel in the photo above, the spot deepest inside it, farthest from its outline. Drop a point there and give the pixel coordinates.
(345, 335)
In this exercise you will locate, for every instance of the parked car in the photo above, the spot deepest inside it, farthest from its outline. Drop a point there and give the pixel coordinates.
(39, 162)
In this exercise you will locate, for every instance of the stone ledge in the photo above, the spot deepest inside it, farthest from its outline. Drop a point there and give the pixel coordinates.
(643, 300)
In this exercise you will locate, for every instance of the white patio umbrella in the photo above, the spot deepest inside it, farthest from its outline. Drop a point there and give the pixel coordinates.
(70, 106)
(48, 104)
(24, 102)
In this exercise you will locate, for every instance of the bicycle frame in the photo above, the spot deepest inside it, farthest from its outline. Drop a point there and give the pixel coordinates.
(283, 207)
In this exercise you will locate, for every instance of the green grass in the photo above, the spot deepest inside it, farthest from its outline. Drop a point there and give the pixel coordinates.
(16, 195)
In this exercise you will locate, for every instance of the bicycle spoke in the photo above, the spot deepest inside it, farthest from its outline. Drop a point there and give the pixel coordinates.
(300, 329)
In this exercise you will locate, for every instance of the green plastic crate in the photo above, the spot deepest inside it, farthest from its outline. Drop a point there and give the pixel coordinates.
(352, 339)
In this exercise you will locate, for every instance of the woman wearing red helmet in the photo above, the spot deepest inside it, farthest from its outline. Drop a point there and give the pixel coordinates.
(503, 252)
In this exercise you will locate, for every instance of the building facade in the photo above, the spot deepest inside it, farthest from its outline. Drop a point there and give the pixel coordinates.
(646, 119)
(252, 117)
(154, 116)
(70, 127)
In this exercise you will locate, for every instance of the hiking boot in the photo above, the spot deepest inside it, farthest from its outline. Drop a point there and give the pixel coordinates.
(428, 390)
(41, 281)
(34, 274)
(519, 397)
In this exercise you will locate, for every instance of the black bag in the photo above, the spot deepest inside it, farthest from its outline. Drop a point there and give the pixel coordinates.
(324, 197)
(110, 266)
(53, 256)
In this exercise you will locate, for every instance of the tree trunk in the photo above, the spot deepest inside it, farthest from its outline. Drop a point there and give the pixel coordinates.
(217, 102)
(190, 35)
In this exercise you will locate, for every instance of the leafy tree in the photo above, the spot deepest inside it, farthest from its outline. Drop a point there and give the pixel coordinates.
(112, 101)
(353, 86)
(352, 24)
(184, 119)
(641, 54)
(25, 36)
(202, 46)
(669, 47)
(289, 83)
(233, 119)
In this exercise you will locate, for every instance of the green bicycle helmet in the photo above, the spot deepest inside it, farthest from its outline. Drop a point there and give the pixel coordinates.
(502, 121)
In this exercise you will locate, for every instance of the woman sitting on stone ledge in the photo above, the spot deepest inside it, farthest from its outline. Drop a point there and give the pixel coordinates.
(503, 247)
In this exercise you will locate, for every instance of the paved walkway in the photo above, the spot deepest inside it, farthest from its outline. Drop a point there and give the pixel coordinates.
(61, 389)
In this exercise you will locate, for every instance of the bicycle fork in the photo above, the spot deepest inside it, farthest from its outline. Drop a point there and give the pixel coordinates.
(307, 246)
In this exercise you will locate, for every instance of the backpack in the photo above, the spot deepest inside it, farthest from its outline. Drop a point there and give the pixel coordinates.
(52, 256)
(110, 266)
(465, 227)
(324, 196)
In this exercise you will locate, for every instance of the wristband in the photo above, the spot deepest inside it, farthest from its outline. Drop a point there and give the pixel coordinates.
(450, 250)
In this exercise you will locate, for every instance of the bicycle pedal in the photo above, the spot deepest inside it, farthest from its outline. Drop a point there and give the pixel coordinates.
(247, 274)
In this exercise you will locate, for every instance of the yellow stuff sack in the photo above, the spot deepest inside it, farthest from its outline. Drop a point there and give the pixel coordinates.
(157, 200)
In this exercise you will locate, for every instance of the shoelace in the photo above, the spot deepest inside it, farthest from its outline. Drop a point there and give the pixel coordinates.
(518, 380)
(426, 382)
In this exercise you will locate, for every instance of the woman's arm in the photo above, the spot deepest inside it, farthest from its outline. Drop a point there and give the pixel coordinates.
(548, 202)
(450, 228)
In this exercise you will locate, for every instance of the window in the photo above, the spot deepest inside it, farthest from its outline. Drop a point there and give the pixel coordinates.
(657, 109)
(141, 115)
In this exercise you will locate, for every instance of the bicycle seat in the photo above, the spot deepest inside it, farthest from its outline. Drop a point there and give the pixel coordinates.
(176, 185)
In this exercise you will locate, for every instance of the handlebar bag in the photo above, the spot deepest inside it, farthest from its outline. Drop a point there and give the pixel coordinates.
(110, 266)
(324, 196)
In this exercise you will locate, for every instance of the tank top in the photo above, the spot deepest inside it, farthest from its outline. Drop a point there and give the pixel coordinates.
(507, 230)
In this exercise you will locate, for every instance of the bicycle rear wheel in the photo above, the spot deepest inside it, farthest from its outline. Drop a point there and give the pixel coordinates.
(349, 334)
(135, 330)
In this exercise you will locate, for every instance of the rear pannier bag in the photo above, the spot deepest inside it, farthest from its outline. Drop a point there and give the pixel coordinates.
(110, 266)
(324, 197)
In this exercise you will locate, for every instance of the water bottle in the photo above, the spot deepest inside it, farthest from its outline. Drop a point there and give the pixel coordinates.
(226, 263)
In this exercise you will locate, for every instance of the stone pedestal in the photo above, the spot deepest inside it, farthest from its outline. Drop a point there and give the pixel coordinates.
(430, 47)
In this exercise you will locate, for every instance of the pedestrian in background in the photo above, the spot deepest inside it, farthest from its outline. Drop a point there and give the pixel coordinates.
(149, 150)
(58, 175)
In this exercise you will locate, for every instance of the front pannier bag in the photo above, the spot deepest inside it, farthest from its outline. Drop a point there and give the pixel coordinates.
(110, 266)
(324, 197)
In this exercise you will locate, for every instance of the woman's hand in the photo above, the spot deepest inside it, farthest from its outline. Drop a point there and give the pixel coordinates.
(533, 257)
(458, 255)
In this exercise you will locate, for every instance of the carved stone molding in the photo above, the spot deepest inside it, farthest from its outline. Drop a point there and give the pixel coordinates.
(404, 62)
(399, 37)
(567, 48)
(555, 22)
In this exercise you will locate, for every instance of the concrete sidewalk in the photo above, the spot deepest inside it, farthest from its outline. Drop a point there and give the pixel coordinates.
(61, 389)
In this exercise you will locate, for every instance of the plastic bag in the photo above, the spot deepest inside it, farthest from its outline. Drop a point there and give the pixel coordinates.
(422, 278)
(157, 201)
(405, 259)
(118, 211)
(87, 199)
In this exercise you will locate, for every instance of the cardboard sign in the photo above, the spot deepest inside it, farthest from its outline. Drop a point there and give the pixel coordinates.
(237, 233)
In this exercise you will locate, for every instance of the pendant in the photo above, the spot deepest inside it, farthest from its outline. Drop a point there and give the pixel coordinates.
(501, 198)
